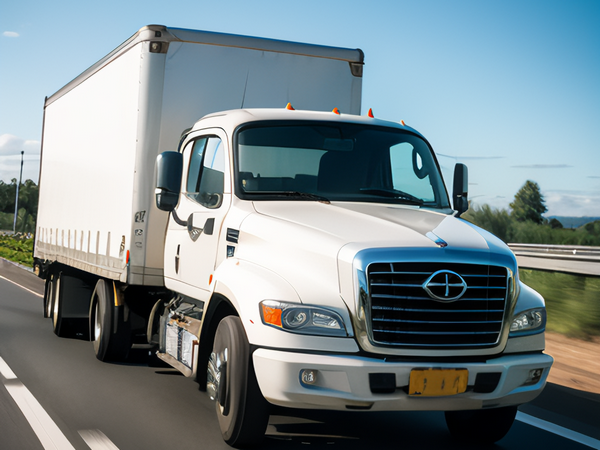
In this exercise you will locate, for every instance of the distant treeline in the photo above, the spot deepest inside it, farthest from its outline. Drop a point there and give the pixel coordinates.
(525, 224)
(506, 227)
(28, 202)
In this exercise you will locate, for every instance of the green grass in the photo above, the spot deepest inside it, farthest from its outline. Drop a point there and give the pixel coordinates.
(572, 301)
(17, 248)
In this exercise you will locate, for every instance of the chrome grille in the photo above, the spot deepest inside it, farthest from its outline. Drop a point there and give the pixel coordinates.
(403, 314)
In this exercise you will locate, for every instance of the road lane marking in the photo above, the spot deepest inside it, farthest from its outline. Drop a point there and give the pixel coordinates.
(42, 424)
(97, 440)
(50, 436)
(6, 371)
(557, 429)
(23, 287)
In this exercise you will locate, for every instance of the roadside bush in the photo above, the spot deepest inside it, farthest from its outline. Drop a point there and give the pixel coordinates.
(502, 224)
(571, 301)
(17, 248)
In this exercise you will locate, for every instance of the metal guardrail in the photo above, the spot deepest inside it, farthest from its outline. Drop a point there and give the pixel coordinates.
(578, 259)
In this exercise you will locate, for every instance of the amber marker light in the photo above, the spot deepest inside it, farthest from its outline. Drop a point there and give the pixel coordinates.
(336, 111)
(289, 107)
(271, 316)
(402, 122)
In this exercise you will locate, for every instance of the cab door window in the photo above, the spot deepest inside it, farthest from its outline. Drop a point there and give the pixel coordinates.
(206, 174)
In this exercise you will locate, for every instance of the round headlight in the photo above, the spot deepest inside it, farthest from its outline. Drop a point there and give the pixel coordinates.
(295, 317)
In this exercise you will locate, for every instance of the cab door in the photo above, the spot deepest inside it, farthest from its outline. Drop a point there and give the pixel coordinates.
(195, 225)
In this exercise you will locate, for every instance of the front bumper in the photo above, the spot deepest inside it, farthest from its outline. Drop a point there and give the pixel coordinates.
(342, 382)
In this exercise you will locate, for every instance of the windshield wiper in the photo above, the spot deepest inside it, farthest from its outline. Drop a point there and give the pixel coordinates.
(296, 194)
(394, 193)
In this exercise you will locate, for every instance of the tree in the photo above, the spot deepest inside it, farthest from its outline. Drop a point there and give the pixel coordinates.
(555, 223)
(7, 196)
(529, 204)
(28, 202)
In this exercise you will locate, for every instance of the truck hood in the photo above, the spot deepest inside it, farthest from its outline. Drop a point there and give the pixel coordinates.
(310, 244)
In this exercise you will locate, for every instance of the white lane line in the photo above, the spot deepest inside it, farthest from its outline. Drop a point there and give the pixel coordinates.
(557, 429)
(42, 424)
(97, 440)
(40, 421)
(23, 287)
(6, 371)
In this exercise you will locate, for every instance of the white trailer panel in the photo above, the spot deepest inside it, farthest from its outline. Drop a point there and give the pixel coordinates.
(85, 204)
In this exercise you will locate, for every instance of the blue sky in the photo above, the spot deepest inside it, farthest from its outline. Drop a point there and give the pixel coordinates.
(511, 88)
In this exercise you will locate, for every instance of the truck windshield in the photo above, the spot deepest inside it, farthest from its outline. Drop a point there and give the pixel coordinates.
(337, 162)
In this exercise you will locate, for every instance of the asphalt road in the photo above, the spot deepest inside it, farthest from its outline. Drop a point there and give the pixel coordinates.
(58, 388)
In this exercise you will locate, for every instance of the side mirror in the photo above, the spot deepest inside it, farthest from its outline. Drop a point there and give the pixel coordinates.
(169, 167)
(460, 193)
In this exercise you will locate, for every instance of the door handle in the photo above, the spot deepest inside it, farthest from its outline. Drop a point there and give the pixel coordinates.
(195, 232)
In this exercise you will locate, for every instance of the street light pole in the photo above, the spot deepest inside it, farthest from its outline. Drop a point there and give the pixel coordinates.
(17, 196)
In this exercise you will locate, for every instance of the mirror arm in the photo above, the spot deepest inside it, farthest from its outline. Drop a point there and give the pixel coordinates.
(178, 221)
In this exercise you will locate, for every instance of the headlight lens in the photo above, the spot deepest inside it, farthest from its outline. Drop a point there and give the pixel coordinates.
(303, 319)
(529, 322)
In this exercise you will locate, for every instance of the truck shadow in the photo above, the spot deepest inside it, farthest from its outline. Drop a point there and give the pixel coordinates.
(358, 430)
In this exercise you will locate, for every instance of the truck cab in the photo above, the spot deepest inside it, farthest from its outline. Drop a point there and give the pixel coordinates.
(315, 261)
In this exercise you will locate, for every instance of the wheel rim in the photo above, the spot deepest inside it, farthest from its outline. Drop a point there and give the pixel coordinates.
(97, 324)
(55, 302)
(49, 296)
(216, 383)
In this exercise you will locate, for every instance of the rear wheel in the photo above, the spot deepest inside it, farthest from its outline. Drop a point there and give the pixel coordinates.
(110, 330)
(484, 426)
(49, 288)
(242, 411)
(59, 324)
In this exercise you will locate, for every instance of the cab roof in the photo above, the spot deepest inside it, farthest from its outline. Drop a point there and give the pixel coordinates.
(233, 118)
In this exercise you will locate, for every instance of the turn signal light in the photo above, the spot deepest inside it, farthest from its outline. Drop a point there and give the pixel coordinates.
(271, 316)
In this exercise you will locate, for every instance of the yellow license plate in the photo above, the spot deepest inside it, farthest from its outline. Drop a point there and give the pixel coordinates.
(437, 382)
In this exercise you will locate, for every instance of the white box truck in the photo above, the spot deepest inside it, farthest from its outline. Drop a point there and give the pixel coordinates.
(307, 258)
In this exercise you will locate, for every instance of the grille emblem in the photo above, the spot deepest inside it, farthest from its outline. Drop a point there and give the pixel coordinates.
(445, 286)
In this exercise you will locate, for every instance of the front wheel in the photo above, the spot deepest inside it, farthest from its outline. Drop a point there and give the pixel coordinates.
(242, 411)
(484, 426)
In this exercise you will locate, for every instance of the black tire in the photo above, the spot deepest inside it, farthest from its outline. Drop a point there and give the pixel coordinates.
(484, 426)
(110, 331)
(242, 411)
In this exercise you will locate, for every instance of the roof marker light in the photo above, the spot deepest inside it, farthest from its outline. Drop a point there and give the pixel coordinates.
(289, 107)
(336, 111)
(370, 113)
(402, 122)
